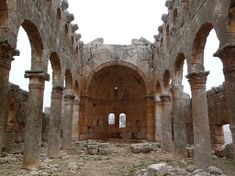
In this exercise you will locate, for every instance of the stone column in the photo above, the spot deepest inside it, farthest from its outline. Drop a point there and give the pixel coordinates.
(227, 55)
(54, 138)
(150, 116)
(67, 120)
(178, 115)
(202, 145)
(83, 124)
(75, 129)
(6, 56)
(33, 129)
(158, 120)
(167, 142)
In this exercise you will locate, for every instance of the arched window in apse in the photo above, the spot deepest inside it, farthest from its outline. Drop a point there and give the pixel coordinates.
(111, 119)
(122, 120)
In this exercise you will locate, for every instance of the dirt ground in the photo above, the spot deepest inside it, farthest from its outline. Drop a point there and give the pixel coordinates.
(120, 162)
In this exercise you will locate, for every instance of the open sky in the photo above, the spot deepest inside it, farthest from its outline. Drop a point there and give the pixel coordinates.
(118, 22)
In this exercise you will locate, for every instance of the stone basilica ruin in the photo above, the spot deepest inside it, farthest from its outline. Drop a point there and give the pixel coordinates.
(127, 92)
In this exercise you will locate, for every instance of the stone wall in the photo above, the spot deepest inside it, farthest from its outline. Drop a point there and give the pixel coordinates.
(14, 125)
(218, 116)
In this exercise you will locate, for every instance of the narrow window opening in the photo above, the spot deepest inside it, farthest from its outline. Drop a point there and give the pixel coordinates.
(111, 119)
(122, 120)
(227, 134)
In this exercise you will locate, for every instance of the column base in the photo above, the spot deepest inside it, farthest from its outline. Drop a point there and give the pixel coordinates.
(53, 154)
(31, 164)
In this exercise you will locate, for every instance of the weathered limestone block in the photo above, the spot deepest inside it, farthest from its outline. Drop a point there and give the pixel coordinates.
(228, 151)
(144, 147)
(103, 149)
(93, 149)
(157, 169)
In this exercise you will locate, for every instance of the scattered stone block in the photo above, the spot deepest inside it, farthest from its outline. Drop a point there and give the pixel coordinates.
(157, 169)
(214, 170)
(228, 151)
(92, 149)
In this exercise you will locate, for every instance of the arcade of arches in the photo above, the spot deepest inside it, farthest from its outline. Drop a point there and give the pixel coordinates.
(139, 83)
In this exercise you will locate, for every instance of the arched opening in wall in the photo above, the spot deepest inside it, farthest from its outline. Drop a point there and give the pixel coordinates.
(66, 29)
(227, 134)
(68, 80)
(3, 12)
(175, 16)
(115, 90)
(47, 90)
(205, 45)
(122, 120)
(76, 89)
(21, 62)
(166, 82)
(231, 15)
(111, 119)
(181, 72)
(213, 64)
(28, 39)
(158, 91)
(58, 18)
(72, 40)
(54, 70)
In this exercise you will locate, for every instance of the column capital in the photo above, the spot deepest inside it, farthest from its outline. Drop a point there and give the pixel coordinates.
(225, 52)
(6, 55)
(150, 98)
(165, 98)
(37, 74)
(76, 101)
(57, 92)
(227, 56)
(197, 80)
(68, 95)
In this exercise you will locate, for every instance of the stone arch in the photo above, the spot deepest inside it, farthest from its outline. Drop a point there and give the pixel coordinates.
(117, 88)
(56, 67)
(199, 45)
(166, 82)
(3, 12)
(178, 67)
(35, 41)
(113, 63)
(68, 79)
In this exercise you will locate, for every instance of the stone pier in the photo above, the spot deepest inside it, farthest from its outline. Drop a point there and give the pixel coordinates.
(158, 121)
(67, 119)
(201, 130)
(167, 142)
(33, 127)
(75, 129)
(150, 118)
(178, 115)
(54, 139)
